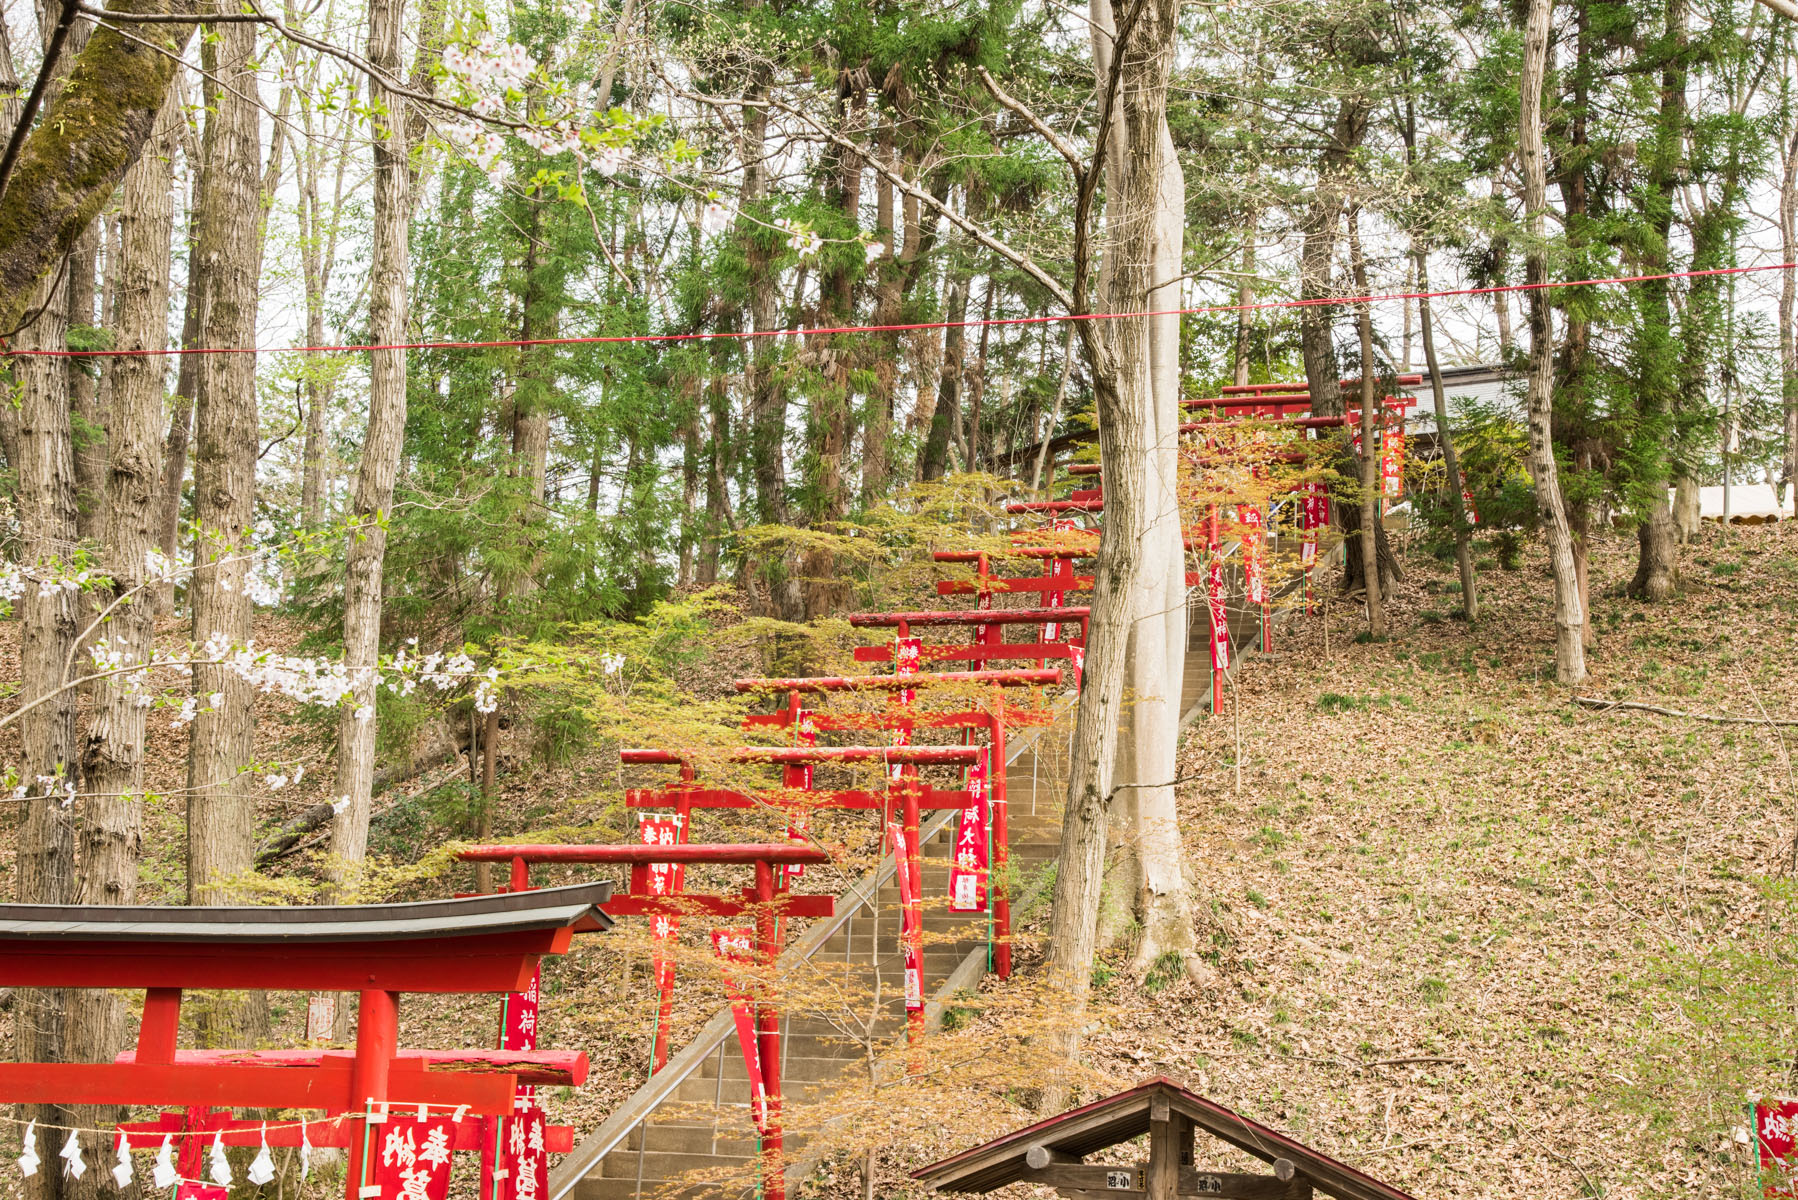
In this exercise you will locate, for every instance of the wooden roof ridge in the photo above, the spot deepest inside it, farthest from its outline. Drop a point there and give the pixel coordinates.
(576, 906)
(1125, 1115)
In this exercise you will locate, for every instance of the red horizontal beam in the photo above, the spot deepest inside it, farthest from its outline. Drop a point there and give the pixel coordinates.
(896, 683)
(963, 616)
(802, 755)
(1295, 422)
(565, 1067)
(1041, 583)
(1023, 551)
(1055, 506)
(1240, 389)
(978, 652)
(333, 1133)
(1083, 468)
(929, 797)
(785, 904)
(214, 1086)
(499, 962)
(637, 852)
(1014, 718)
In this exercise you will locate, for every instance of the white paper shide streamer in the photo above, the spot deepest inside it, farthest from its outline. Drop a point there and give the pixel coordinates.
(164, 1174)
(121, 1173)
(262, 1169)
(28, 1161)
(71, 1154)
(221, 1168)
(305, 1150)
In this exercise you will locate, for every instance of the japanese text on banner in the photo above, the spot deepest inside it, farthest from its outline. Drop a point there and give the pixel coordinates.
(967, 873)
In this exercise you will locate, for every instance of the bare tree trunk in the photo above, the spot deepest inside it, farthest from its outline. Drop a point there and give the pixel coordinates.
(187, 377)
(365, 557)
(1470, 595)
(1570, 653)
(1130, 578)
(1501, 255)
(933, 456)
(1788, 314)
(48, 623)
(87, 421)
(1245, 296)
(1371, 414)
(1061, 392)
(113, 750)
(221, 815)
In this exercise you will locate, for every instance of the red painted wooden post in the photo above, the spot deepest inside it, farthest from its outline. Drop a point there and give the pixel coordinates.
(774, 1171)
(998, 887)
(160, 1026)
(377, 1040)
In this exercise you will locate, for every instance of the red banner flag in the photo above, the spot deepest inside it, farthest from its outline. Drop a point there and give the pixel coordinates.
(911, 920)
(1220, 621)
(1253, 575)
(527, 1175)
(1314, 514)
(1077, 659)
(1392, 461)
(662, 879)
(1473, 513)
(737, 946)
(908, 655)
(967, 873)
(805, 733)
(189, 1189)
(1776, 1144)
(414, 1157)
(1059, 568)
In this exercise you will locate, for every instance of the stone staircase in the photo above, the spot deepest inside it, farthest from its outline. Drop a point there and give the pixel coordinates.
(688, 1134)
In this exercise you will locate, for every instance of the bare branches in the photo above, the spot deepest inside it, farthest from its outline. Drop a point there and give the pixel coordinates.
(1602, 705)
(1055, 140)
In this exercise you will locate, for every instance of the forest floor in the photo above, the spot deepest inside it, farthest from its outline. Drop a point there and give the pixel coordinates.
(1467, 937)
(1477, 941)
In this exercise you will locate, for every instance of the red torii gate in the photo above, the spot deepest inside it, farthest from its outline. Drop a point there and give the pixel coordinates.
(993, 722)
(764, 900)
(482, 944)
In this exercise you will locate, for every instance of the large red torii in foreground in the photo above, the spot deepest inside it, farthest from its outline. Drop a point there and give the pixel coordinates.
(480, 944)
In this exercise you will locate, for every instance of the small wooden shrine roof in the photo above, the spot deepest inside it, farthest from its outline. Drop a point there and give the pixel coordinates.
(1125, 1116)
(574, 908)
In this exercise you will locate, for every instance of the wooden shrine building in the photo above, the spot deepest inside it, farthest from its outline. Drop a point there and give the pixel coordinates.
(1060, 1153)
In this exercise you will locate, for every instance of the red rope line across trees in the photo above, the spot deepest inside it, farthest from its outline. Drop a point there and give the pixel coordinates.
(738, 335)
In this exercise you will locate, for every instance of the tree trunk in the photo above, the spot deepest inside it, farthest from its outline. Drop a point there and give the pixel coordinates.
(364, 559)
(81, 146)
(1245, 296)
(113, 750)
(976, 385)
(1788, 316)
(1372, 422)
(221, 815)
(187, 376)
(1128, 356)
(933, 456)
(1470, 595)
(1570, 654)
(48, 624)
(87, 421)
(1500, 274)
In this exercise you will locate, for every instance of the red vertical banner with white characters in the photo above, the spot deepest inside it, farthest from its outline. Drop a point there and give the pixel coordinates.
(518, 1027)
(1392, 459)
(662, 879)
(527, 1157)
(736, 948)
(799, 817)
(908, 655)
(412, 1159)
(1473, 513)
(1314, 514)
(1220, 618)
(967, 870)
(1776, 1144)
(911, 919)
(1254, 575)
(1060, 569)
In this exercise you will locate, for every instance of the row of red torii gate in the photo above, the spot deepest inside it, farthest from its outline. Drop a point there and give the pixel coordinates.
(960, 680)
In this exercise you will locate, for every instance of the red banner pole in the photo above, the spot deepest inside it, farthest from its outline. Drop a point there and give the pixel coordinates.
(1001, 891)
(774, 1175)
